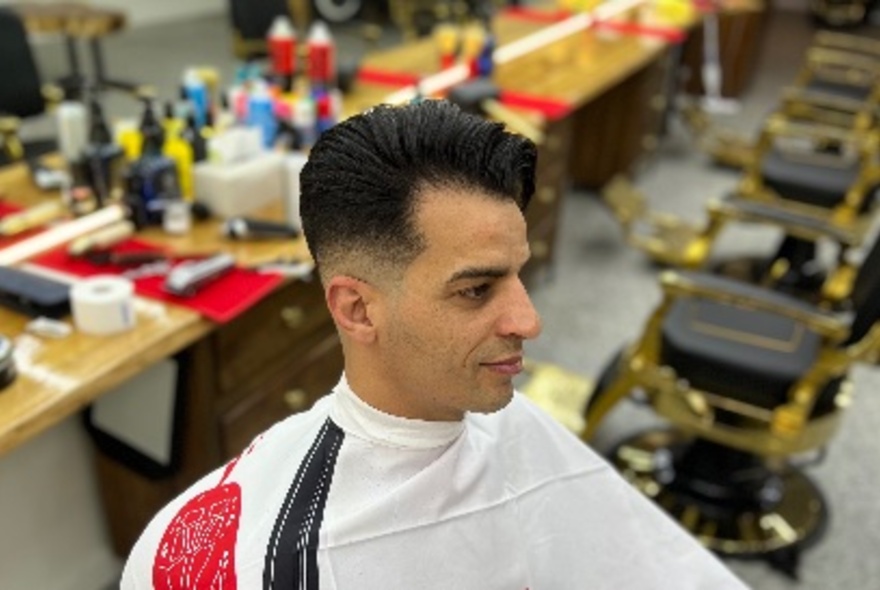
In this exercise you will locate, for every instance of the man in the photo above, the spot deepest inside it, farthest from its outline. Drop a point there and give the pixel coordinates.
(422, 469)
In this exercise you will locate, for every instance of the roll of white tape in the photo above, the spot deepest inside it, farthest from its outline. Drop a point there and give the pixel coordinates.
(103, 305)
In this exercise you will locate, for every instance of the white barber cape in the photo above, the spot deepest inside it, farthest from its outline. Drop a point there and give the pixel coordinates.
(345, 497)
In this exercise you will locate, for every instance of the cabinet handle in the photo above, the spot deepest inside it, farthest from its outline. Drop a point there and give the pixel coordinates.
(293, 317)
(296, 400)
(547, 195)
(540, 249)
(658, 102)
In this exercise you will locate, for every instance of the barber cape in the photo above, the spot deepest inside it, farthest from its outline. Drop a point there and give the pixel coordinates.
(345, 497)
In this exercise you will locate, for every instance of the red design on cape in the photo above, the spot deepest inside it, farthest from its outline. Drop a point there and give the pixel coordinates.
(197, 550)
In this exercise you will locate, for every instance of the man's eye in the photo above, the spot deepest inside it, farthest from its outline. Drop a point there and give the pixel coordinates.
(477, 292)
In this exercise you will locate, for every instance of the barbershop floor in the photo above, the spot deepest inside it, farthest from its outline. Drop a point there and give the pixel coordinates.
(601, 290)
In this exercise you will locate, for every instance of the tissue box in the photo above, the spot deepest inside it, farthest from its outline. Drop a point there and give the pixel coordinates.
(293, 165)
(238, 188)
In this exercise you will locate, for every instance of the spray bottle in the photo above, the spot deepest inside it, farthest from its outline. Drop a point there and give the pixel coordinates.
(322, 56)
(282, 51)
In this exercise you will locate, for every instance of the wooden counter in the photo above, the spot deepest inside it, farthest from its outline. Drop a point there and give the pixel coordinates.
(58, 377)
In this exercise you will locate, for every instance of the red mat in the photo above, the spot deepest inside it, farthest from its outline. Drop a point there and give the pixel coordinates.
(220, 301)
(536, 15)
(668, 34)
(376, 76)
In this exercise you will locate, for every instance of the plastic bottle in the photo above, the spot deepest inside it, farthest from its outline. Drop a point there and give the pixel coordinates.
(322, 56)
(282, 50)
(261, 113)
(192, 135)
(102, 157)
(153, 178)
(196, 91)
(73, 131)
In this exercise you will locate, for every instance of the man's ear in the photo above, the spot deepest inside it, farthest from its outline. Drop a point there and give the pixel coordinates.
(349, 302)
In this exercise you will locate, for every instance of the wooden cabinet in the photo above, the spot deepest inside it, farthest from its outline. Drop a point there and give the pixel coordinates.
(542, 214)
(740, 36)
(274, 360)
(613, 131)
(288, 391)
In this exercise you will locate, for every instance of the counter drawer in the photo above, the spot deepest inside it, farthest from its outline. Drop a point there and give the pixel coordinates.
(270, 335)
(287, 392)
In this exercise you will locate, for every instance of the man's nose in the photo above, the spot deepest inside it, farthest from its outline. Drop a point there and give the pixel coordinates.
(520, 319)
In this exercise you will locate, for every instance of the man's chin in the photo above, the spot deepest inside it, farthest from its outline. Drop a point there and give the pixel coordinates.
(498, 401)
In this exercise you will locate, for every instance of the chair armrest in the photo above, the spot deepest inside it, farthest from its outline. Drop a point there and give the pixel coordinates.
(825, 100)
(729, 291)
(846, 42)
(794, 223)
(837, 58)
(780, 125)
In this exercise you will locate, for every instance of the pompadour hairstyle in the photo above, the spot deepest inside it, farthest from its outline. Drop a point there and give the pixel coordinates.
(360, 184)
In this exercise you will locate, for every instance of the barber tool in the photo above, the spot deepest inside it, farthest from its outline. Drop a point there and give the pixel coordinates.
(243, 228)
(102, 238)
(7, 362)
(32, 217)
(481, 96)
(187, 278)
(48, 328)
(135, 258)
(288, 267)
(32, 294)
(47, 178)
(61, 234)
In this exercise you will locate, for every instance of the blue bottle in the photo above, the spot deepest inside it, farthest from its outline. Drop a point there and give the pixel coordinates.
(261, 113)
(197, 93)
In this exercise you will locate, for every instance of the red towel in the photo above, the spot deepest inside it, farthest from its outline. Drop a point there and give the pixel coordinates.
(220, 301)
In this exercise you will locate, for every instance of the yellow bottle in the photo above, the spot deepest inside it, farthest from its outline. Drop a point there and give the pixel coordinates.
(182, 153)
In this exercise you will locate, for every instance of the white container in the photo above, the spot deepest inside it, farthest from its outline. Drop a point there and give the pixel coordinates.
(293, 164)
(237, 188)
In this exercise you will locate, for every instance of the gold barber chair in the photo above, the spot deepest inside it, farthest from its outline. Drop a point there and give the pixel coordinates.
(813, 181)
(838, 85)
(751, 381)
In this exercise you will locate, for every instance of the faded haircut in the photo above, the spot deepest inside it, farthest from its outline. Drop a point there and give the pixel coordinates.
(360, 186)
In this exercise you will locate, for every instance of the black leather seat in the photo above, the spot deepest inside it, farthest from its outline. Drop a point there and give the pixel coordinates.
(804, 181)
(751, 356)
(851, 91)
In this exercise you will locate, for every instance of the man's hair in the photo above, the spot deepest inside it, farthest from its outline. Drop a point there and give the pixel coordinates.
(360, 185)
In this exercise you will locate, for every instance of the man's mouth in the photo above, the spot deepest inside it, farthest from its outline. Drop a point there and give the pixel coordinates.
(508, 366)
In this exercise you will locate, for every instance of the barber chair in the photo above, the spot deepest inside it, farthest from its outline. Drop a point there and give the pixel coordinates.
(22, 93)
(839, 13)
(750, 381)
(838, 85)
(813, 181)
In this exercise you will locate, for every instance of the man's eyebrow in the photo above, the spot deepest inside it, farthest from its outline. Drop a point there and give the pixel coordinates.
(480, 272)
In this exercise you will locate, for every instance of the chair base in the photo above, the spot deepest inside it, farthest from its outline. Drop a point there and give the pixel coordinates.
(731, 501)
